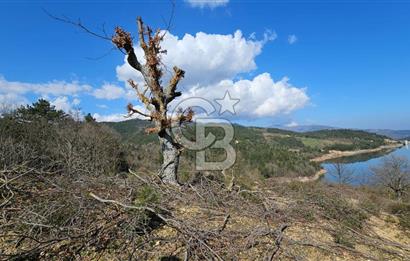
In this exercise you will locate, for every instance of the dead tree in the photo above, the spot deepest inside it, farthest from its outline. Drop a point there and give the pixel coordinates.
(394, 174)
(153, 95)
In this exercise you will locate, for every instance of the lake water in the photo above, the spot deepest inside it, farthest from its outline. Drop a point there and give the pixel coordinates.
(360, 166)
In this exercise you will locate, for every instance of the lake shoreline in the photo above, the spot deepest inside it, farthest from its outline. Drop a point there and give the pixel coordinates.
(335, 154)
(315, 177)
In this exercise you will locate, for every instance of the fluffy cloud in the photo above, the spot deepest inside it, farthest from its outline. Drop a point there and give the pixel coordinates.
(63, 103)
(12, 98)
(206, 58)
(12, 93)
(109, 92)
(292, 39)
(292, 124)
(212, 61)
(54, 88)
(259, 97)
(116, 117)
(9, 101)
(207, 3)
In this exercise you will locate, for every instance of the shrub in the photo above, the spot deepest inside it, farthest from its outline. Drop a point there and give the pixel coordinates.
(146, 195)
(340, 236)
(331, 204)
(52, 141)
(402, 211)
(370, 206)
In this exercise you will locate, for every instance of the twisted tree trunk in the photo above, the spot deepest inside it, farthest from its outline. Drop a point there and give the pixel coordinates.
(170, 153)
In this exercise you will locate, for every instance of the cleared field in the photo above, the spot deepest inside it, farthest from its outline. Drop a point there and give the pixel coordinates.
(320, 143)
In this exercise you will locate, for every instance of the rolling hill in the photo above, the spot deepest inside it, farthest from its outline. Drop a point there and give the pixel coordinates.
(394, 134)
(262, 152)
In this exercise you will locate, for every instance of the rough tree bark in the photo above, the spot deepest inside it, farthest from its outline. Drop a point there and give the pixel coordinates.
(155, 97)
(170, 153)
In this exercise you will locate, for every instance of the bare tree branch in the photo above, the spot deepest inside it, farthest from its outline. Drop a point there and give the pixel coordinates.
(77, 24)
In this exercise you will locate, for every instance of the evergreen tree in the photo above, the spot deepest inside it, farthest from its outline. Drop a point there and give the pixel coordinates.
(42, 109)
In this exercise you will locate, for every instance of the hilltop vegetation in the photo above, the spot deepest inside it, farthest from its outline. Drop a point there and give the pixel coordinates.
(131, 131)
(344, 139)
(261, 152)
(67, 194)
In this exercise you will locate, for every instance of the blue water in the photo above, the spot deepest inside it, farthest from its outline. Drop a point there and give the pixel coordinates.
(359, 167)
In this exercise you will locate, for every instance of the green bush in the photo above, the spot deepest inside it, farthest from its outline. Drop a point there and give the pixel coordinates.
(146, 195)
(342, 237)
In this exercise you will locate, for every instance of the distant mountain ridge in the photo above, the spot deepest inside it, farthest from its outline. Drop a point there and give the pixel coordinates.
(394, 134)
(304, 128)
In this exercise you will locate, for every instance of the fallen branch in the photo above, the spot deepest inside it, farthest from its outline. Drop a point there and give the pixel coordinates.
(278, 240)
(226, 220)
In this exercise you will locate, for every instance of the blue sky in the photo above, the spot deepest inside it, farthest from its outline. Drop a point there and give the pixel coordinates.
(347, 64)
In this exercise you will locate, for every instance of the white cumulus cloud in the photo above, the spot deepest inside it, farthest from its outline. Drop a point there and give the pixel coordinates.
(207, 3)
(116, 117)
(64, 103)
(206, 58)
(213, 61)
(259, 97)
(58, 92)
(54, 88)
(109, 92)
(292, 124)
(10, 101)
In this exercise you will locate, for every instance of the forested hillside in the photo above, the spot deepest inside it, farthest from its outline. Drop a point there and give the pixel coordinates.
(262, 152)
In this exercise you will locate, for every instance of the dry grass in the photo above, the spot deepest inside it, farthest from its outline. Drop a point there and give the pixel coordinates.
(201, 220)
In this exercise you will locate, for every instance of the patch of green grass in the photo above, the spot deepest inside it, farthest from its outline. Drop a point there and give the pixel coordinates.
(316, 143)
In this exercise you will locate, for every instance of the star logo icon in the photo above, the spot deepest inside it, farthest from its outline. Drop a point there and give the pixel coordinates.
(227, 103)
